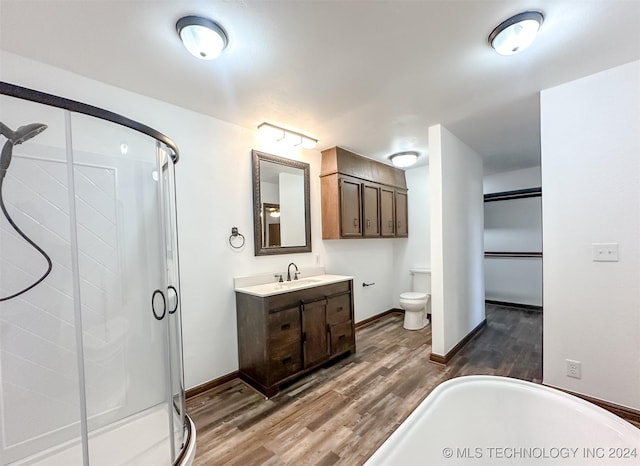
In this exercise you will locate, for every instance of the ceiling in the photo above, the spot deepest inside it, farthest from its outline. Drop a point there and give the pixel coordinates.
(370, 76)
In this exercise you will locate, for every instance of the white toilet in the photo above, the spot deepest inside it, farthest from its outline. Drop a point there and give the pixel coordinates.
(416, 302)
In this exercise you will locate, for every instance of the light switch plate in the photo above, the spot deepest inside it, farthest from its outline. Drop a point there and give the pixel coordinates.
(605, 252)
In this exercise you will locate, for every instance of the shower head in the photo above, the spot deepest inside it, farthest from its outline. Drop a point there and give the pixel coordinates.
(23, 133)
(26, 132)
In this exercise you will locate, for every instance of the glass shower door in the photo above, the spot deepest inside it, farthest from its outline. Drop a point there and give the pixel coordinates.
(173, 317)
(122, 283)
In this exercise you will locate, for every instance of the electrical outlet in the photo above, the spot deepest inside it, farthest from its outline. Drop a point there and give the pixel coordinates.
(574, 368)
(605, 252)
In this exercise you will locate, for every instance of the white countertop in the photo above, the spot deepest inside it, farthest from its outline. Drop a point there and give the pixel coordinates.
(274, 288)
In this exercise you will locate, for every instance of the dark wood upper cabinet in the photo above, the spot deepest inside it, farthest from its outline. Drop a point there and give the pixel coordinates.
(361, 198)
(371, 209)
(402, 227)
(387, 212)
(350, 207)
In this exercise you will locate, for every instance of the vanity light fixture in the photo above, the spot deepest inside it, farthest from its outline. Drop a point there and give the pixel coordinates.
(404, 159)
(293, 138)
(516, 33)
(202, 37)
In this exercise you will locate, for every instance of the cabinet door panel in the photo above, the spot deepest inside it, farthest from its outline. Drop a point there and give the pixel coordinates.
(339, 309)
(402, 229)
(350, 208)
(314, 327)
(341, 337)
(370, 209)
(387, 212)
(285, 360)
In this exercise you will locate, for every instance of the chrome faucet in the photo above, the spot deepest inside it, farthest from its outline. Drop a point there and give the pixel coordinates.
(295, 275)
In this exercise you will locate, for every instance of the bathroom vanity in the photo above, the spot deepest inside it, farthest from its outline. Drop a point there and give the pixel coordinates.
(288, 329)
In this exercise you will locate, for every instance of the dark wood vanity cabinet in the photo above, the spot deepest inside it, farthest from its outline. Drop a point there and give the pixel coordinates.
(361, 198)
(283, 336)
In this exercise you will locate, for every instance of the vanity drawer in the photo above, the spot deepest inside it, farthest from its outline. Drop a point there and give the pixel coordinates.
(339, 309)
(283, 324)
(285, 360)
(341, 337)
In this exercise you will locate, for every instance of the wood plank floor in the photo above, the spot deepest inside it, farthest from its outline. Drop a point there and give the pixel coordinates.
(342, 413)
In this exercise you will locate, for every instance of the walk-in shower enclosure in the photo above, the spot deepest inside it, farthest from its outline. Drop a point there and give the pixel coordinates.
(91, 354)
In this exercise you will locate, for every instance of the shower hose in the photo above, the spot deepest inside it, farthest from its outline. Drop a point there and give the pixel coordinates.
(13, 138)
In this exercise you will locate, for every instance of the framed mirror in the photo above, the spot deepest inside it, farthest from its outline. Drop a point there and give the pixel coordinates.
(281, 206)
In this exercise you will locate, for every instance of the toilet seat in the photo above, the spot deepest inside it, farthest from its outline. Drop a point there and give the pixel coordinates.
(413, 296)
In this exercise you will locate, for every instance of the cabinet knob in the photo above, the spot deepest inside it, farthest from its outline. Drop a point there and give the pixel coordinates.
(368, 224)
(390, 223)
(355, 222)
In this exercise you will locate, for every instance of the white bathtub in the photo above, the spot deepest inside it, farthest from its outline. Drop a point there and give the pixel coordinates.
(488, 420)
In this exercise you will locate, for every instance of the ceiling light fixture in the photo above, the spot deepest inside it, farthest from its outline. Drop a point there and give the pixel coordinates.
(293, 138)
(516, 33)
(404, 159)
(202, 37)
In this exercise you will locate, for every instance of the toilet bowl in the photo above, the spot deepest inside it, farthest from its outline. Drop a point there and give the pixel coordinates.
(416, 303)
(415, 309)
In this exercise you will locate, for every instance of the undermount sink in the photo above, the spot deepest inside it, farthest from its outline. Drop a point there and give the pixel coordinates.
(294, 283)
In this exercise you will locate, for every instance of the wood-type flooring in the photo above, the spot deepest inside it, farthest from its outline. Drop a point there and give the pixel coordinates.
(342, 413)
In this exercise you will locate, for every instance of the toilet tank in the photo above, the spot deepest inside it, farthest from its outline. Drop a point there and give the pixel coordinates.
(421, 279)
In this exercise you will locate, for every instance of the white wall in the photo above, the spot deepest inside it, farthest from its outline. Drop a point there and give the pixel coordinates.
(214, 193)
(456, 203)
(591, 184)
(415, 251)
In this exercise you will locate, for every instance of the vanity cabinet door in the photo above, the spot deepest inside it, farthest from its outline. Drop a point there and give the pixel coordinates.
(402, 229)
(387, 212)
(350, 208)
(315, 347)
(371, 209)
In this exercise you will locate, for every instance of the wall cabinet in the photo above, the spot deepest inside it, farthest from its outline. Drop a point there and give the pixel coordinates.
(361, 198)
(402, 226)
(283, 336)
(350, 207)
(370, 209)
(387, 212)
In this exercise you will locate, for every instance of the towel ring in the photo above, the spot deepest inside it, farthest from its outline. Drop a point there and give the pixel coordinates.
(235, 234)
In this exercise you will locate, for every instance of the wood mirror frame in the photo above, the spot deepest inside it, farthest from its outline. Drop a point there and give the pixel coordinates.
(261, 249)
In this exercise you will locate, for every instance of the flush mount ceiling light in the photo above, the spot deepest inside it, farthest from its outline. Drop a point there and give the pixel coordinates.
(516, 33)
(293, 138)
(404, 159)
(202, 37)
